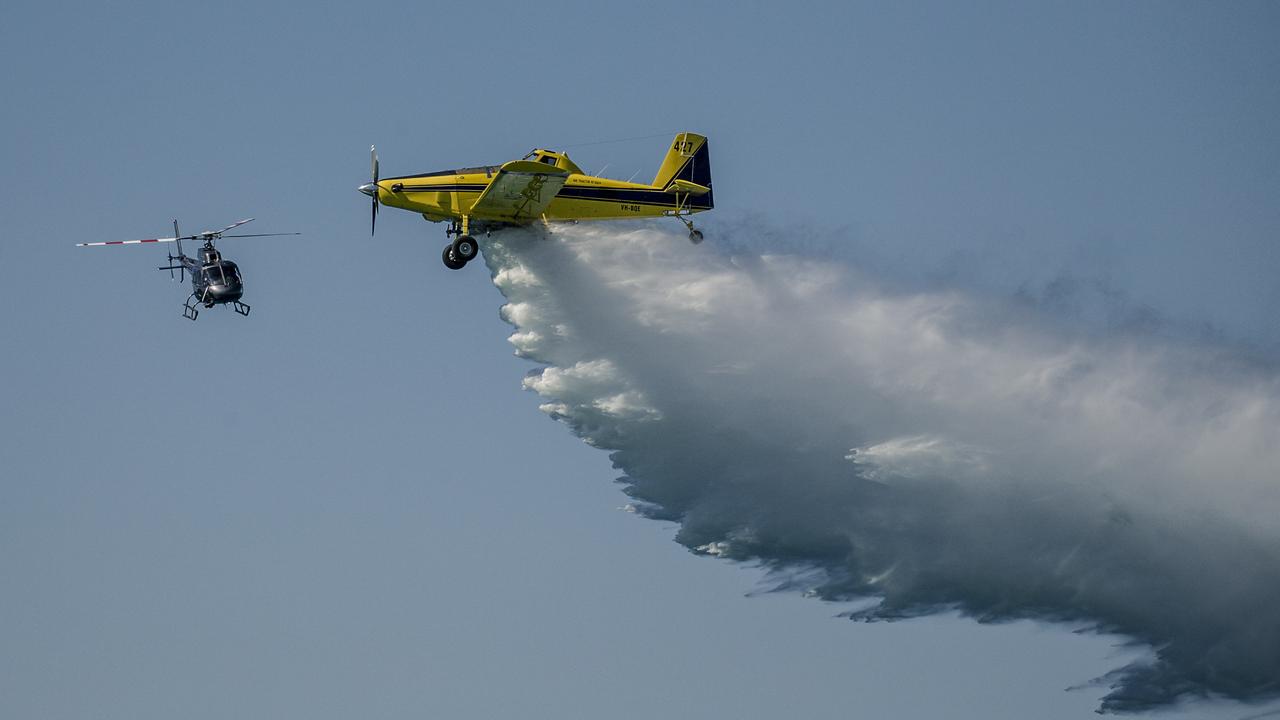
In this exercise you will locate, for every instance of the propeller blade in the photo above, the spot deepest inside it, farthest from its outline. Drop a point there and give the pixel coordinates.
(373, 223)
(127, 242)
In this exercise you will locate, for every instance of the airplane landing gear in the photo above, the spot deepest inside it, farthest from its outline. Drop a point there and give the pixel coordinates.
(189, 311)
(681, 210)
(240, 307)
(451, 260)
(695, 235)
(465, 248)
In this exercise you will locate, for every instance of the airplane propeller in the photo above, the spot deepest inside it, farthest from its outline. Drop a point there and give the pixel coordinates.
(371, 189)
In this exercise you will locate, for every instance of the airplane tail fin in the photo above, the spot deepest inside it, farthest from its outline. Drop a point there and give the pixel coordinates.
(688, 160)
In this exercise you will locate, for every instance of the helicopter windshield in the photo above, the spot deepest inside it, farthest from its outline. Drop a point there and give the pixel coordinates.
(222, 273)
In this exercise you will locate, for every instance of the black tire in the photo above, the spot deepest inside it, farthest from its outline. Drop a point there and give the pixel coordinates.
(465, 248)
(449, 260)
(695, 236)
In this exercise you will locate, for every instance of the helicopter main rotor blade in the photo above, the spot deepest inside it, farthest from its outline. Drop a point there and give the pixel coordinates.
(261, 235)
(128, 242)
(235, 224)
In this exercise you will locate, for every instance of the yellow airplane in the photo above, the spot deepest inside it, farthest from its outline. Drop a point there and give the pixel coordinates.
(545, 186)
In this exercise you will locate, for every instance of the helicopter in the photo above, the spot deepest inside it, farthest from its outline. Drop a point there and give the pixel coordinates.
(214, 280)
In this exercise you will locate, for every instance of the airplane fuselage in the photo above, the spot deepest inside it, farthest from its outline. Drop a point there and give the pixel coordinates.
(544, 186)
(452, 193)
(547, 185)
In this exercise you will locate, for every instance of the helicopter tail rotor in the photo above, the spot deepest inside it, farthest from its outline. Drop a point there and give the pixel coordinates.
(182, 269)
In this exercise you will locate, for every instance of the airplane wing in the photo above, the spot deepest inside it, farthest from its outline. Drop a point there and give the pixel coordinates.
(520, 192)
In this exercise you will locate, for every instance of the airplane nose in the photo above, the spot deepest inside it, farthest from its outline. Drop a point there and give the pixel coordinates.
(368, 189)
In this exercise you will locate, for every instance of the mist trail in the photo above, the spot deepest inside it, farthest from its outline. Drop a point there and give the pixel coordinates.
(935, 450)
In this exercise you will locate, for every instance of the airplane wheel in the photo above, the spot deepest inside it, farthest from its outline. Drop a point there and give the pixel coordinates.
(465, 248)
(450, 260)
(695, 236)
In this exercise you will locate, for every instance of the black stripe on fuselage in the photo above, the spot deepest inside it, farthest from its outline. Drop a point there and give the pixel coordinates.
(627, 195)
(486, 169)
(455, 187)
(639, 196)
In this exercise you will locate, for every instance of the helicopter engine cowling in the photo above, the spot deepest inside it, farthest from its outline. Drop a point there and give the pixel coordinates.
(209, 255)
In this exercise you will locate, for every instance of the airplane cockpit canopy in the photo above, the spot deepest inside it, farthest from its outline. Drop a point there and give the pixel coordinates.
(555, 159)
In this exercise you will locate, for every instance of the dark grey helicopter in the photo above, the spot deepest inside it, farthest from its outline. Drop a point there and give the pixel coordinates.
(214, 280)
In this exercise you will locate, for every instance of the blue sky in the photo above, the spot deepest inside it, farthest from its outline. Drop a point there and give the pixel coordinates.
(346, 504)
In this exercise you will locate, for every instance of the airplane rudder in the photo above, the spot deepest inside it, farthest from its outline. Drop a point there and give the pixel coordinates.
(687, 159)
